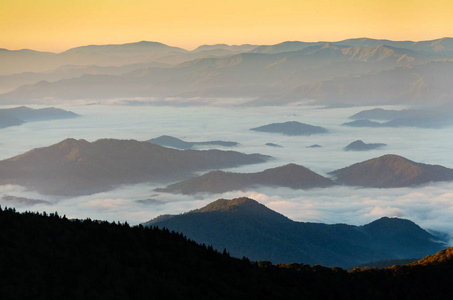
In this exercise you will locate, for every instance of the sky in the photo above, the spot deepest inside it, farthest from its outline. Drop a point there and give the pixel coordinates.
(57, 25)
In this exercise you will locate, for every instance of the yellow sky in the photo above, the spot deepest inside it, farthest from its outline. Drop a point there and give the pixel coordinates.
(57, 25)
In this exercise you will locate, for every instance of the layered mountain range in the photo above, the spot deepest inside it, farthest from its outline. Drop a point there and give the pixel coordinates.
(78, 167)
(349, 71)
(387, 171)
(248, 228)
(291, 175)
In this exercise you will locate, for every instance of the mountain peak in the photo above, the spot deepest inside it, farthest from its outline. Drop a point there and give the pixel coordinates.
(392, 160)
(241, 208)
(242, 205)
(230, 205)
(391, 170)
(72, 142)
(295, 172)
(390, 223)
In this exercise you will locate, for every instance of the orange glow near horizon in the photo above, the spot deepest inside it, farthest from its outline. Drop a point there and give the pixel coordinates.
(57, 25)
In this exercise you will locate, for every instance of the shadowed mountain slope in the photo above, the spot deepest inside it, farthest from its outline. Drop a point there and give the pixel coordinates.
(41, 114)
(7, 120)
(77, 167)
(247, 228)
(291, 175)
(19, 115)
(405, 84)
(390, 171)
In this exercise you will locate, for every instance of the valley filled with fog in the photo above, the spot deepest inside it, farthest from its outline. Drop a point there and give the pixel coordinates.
(427, 205)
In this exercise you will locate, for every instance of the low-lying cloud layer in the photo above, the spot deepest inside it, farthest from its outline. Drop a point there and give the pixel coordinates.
(429, 206)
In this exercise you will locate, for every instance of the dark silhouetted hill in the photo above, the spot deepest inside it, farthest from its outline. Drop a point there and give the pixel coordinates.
(51, 257)
(247, 228)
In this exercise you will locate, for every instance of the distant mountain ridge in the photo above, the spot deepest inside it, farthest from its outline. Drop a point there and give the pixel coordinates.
(290, 175)
(169, 141)
(233, 48)
(435, 117)
(40, 114)
(283, 73)
(247, 228)
(22, 114)
(129, 49)
(430, 46)
(403, 84)
(387, 171)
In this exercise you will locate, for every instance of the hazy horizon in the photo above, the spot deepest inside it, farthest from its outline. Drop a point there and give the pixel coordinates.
(55, 26)
(201, 43)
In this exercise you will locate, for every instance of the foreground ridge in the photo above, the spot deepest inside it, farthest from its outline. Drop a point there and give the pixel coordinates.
(51, 257)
